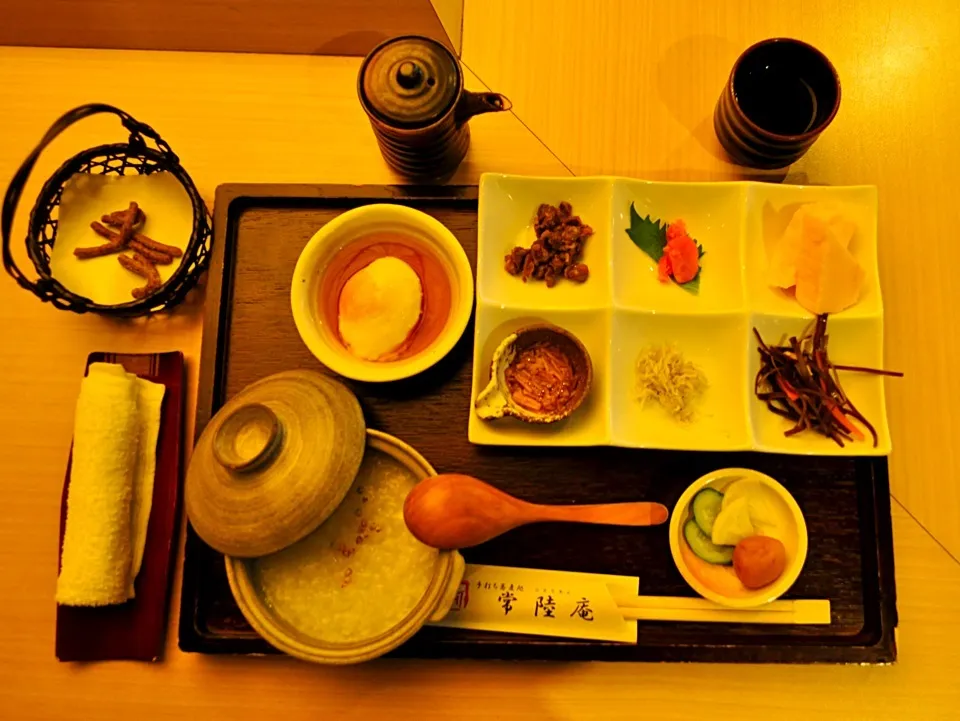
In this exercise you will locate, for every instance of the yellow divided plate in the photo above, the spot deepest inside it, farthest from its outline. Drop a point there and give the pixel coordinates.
(623, 308)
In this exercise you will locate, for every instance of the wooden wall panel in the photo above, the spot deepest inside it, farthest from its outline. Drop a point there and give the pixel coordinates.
(316, 27)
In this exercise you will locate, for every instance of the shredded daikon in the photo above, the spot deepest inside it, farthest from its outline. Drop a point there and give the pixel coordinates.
(663, 374)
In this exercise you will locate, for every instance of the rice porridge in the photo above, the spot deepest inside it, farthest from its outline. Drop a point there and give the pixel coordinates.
(361, 572)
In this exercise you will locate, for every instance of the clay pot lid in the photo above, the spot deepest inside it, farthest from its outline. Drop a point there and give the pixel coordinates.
(274, 463)
(409, 82)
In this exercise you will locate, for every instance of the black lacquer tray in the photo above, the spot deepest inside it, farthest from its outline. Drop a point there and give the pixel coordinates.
(249, 333)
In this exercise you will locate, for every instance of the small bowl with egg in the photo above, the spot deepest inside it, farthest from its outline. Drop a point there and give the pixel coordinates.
(738, 538)
(382, 292)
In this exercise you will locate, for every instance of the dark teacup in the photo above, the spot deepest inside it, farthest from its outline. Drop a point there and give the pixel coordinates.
(781, 95)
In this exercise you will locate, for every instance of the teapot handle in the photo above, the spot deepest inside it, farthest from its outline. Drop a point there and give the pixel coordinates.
(471, 104)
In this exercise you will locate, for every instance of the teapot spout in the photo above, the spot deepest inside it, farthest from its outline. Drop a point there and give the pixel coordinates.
(476, 103)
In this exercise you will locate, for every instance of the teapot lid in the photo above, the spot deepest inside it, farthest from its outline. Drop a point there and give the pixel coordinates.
(274, 463)
(409, 81)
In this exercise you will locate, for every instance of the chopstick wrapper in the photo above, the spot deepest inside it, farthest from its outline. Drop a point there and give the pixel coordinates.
(111, 486)
(544, 603)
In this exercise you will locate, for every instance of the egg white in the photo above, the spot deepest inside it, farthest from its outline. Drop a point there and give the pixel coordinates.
(380, 305)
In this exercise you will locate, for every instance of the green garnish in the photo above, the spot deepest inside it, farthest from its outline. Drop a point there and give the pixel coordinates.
(647, 234)
(694, 285)
(650, 236)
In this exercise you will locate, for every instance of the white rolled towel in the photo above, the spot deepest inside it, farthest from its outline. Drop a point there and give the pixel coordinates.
(111, 486)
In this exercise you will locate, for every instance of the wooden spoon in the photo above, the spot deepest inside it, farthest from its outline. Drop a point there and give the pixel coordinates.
(457, 511)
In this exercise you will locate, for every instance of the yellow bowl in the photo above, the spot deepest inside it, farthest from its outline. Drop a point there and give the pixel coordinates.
(433, 605)
(323, 340)
(718, 583)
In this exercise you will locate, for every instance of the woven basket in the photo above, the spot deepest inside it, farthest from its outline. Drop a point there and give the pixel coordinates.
(131, 157)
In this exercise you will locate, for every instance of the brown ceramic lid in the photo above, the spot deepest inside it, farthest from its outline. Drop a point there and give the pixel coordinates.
(274, 463)
(410, 81)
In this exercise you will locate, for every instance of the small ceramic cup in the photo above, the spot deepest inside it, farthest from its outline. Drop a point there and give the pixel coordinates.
(354, 239)
(719, 583)
(781, 94)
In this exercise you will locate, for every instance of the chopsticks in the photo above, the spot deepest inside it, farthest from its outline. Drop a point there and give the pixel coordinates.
(678, 608)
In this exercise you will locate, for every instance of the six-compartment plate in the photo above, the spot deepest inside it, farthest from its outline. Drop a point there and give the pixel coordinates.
(623, 307)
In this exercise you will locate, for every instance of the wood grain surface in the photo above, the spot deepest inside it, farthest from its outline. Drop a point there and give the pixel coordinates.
(275, 118)
(294, 119)
(642, 104)
(322, 27)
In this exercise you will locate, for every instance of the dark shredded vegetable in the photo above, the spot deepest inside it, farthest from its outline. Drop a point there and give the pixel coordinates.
(797, 381)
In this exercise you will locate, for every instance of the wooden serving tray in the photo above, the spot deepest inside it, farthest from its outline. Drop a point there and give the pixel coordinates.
(249, 334)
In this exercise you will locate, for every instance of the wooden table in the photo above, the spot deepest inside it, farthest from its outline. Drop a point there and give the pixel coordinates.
(637, 99)
(295, 119)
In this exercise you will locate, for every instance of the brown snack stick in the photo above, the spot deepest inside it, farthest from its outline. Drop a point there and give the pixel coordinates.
(149, 248)
(125, 220)
(97, 250)
(154, 245)
(157, 246)
(145, 269)
(126, 230)
(152, 255)
(140, 293)
(111, 246)
(153, 275)
(131, 263)
(105, 232)
(117, 217)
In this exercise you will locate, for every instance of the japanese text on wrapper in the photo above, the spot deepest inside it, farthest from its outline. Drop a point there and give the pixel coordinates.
(544, 605)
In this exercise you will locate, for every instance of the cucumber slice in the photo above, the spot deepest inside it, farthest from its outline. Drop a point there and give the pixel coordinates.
(706, 506)
(706, 549)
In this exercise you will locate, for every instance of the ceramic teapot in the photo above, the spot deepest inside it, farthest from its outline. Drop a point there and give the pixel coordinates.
(411, 88)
